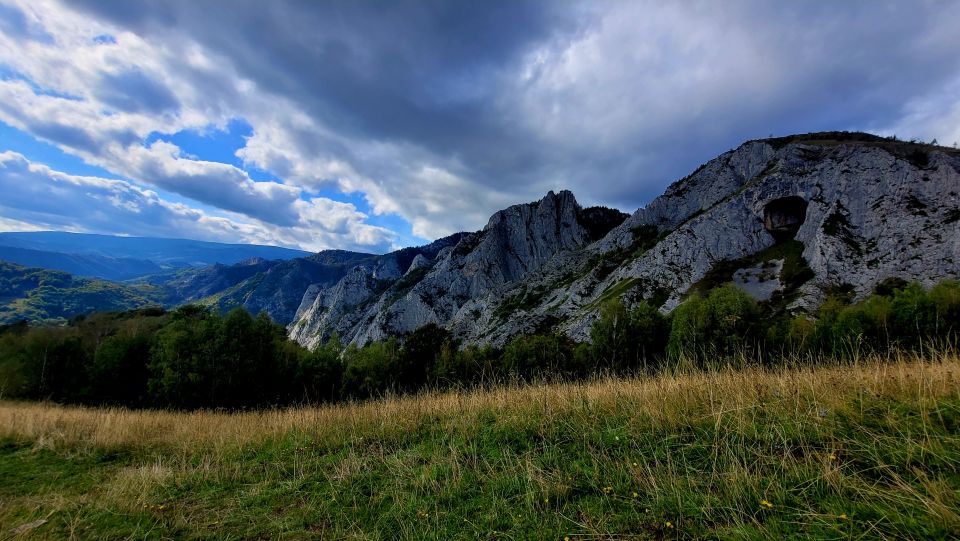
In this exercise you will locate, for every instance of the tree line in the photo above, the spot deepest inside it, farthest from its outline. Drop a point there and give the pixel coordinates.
(193, 357)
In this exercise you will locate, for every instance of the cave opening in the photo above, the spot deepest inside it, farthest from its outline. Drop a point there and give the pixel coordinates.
(783, 217)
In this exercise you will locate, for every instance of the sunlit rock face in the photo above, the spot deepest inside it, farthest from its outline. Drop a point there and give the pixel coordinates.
(859, 209)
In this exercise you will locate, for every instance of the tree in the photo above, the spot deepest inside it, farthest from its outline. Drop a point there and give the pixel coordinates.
(119, 372)
(537, 356)
(320, 372)
(182, 359)
(726, 322)
(622, 340)
(370, 370)
(419, 355)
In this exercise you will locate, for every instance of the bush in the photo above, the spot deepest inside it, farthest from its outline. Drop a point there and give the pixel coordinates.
(899, 315)
(471, 365)
(725, 323)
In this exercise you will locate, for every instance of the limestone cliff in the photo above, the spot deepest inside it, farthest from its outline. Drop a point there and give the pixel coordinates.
(787, 219)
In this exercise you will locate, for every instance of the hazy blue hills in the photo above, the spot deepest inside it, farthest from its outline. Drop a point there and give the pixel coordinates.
(163, 253)
(95, 265)
(51, 276)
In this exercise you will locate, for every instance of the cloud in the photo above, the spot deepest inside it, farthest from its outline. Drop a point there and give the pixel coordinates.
(445, 112)
(38, 197)
(15, 23)
(132, 91)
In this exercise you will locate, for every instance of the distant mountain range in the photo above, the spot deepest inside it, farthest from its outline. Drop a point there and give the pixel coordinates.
(787, 219)
(123, 258)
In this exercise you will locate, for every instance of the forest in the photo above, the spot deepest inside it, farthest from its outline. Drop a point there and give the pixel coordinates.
(194, 358)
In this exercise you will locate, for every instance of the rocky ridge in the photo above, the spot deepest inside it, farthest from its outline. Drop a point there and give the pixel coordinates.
(812, 213)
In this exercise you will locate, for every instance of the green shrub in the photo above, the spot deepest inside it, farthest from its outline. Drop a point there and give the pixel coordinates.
(623, 340)
(724, 323)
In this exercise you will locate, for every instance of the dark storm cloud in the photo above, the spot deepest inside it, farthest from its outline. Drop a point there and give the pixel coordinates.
(441, 76)
(419, 72)
(443, 112)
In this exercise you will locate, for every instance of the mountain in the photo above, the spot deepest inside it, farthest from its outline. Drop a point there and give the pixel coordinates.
(787, 219)
(192, 284)
(288, 288)
(279, 289)
(46, 295)
(451, 284)
(163, 253)
(99, 266)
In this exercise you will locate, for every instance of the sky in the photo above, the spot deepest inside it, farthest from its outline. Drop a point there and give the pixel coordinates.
(370, 125)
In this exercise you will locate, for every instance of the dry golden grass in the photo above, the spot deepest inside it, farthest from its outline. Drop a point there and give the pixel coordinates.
(666, 400)
(868, 449)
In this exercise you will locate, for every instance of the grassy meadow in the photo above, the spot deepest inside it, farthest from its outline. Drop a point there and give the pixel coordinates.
(856, 450)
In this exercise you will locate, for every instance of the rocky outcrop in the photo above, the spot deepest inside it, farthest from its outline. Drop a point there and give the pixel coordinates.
(787, 219)
(465, 277)
(870, 213)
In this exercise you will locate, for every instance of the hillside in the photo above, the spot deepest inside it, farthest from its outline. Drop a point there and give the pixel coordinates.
(279, 288)
(91, 265)
(45, 295)
(865, 450)
(787, 219)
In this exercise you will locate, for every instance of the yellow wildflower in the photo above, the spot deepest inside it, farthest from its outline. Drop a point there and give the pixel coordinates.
(766, 504)
(669, 524)
(635, 495)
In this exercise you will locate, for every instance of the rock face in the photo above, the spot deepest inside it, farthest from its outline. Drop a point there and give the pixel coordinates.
(280, 288)
(851, 209)
(461, 281)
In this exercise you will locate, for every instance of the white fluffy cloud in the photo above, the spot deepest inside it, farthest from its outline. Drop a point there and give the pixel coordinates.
(38, 197)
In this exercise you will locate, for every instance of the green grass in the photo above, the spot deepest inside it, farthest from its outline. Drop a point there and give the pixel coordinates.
(870, 450)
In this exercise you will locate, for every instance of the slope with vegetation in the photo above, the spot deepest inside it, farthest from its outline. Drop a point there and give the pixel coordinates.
(867, 449)
(195, 358)
(53, 296)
